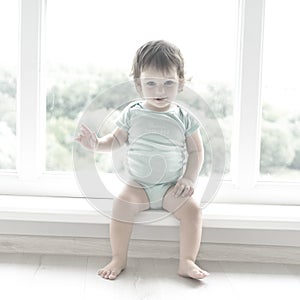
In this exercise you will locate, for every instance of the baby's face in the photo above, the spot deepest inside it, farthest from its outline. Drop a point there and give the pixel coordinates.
(158, 88)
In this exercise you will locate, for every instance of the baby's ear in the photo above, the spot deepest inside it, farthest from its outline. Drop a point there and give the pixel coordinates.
(181, 85)
(138, 86)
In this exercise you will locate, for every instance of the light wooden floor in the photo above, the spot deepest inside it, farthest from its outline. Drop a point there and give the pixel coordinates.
(30, 276)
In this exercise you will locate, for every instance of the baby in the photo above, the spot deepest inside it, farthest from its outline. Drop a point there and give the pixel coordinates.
(164, 158)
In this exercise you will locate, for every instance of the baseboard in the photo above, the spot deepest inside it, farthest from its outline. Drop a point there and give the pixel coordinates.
(143, 248)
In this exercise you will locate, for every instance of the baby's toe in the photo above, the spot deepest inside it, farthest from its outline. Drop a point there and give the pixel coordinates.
(112, 275)
(198, 275)
(107, 273)
(103, 273)
(100, 272)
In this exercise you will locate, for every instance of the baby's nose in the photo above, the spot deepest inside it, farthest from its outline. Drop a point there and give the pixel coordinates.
(160, 88)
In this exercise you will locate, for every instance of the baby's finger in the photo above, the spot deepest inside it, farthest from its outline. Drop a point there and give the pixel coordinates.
(186, 191)
(179, 190)
(94, 137)
(175, 188)
(93, 141)
(77, 139)
(82, 131)
(191, 192)
(85, 129)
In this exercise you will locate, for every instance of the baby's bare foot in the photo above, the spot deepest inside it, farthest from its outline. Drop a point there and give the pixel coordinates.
(113, 269)
(188, 268)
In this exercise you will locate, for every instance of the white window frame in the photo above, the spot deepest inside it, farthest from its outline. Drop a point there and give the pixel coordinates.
(245, 187)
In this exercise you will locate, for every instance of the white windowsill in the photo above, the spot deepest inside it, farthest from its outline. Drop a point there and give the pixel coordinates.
(63, 209)
(234, 223)
(65, 185)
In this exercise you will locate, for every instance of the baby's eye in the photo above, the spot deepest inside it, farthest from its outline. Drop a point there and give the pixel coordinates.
(169, 83)
(151, 83)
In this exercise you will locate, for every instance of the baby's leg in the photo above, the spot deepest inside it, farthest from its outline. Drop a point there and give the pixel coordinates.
(188, 212)
(130, 202)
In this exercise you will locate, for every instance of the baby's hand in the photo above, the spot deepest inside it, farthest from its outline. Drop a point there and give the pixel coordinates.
(184, 188)
(87, 138)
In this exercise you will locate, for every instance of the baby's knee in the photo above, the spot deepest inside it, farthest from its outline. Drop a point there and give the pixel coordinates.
(193, 210)
(126, 210)
(122, 211)
(133, 197)
(123, 205)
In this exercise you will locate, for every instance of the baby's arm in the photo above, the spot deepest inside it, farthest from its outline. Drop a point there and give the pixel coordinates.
(107, 143)
(185, 186)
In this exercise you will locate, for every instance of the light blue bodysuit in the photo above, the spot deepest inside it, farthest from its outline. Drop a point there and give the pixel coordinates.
(156, 155)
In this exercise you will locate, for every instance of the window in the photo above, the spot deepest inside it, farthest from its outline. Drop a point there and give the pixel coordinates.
(280, 142)
(69, 53)
(87, 57)
(9, 24)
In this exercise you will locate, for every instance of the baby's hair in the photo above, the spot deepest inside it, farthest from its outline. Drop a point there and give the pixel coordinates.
(161, 55)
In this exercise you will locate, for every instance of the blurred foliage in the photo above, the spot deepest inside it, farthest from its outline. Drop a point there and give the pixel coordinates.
(8, 88)
(282, 152)
(294, 125)
(219, 97)
(71, 90)
(280, 140)
(7, 147)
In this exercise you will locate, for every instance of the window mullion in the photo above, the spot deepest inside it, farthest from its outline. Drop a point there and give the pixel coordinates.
(245, 162)
(28, 98)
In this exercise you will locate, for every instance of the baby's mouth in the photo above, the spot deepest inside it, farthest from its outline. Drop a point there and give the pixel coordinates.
(160, 98)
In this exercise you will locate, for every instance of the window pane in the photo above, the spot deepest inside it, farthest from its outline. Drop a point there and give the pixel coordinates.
(9, 22)
(94, 48)
(280, 142)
